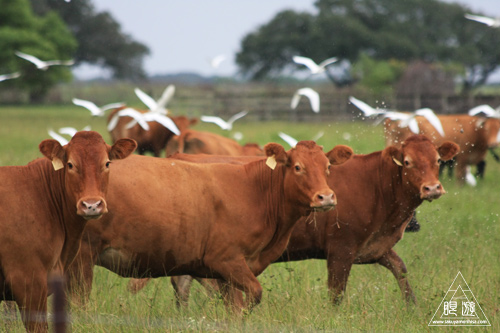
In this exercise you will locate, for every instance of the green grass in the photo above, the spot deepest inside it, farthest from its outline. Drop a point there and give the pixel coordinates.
(460, 231)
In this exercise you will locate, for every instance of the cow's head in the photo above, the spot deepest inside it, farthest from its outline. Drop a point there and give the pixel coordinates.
(492, 131)
(85, 162)
(419, 160)
(306, 171)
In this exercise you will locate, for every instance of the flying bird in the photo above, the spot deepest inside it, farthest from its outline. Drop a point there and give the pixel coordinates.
(406, 119)
(65, 130)
(156, 106)
(487, 110)
(43, 65)
(288, 139)
(428, 114)
(489, 21)
(312, 95)
(159, 118)
(365, 108)
(217, 60)
(62, 140)
(313, 67)
(225, 125)
(128, 112)
(94, 109)
(4, 77)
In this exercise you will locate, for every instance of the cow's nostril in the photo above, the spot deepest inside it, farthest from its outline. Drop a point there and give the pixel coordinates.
(320, 197)
(427, 188)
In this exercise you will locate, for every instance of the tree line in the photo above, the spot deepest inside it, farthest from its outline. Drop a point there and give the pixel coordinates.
(375, 41)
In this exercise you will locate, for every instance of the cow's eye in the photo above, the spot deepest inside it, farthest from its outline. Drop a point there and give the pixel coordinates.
(108, 163)
(329, 166)
(70, 165)
(297, 168)
(407, 163)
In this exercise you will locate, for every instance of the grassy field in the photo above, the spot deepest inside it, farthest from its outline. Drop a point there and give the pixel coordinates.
(460, 232)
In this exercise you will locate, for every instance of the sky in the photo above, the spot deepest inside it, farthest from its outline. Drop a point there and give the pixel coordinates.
(184, 35)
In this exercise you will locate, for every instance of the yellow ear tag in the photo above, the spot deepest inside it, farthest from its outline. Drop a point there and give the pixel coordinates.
(271, 162)
(57, 164)
(397, 162)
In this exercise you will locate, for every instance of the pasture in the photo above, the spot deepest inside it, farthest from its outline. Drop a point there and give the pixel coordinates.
(459, 232)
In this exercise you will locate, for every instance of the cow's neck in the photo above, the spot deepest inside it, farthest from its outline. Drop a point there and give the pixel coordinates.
(281, 213)
(63, 210)
(399, 198)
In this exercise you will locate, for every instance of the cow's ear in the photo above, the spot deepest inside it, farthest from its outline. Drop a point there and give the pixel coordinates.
(448, 150)
(275, 154)
(339, 154)
(53, 150)
(122, 148)
(393, 154)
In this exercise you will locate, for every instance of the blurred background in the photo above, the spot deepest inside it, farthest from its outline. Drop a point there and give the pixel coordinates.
(238, 55)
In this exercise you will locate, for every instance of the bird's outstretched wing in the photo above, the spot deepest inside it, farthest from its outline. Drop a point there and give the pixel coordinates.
(30, 58)
(486, 109)
(489, 21)
(236, 117)
(134, 114)
(146, 99)
(217, 60)
(112, 106)
(327, 62)
(163, 120)
(288, 139)
(94, 109)
(167, 95)
(63, 141)
(312, 95)
(68, 131)
(309, 63)
(365, 108)
(10, 76)
(216, 120)
(432, 118)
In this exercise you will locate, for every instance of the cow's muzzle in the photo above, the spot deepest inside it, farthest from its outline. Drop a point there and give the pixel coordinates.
(324, 201)
(91, 208)
(431, 191)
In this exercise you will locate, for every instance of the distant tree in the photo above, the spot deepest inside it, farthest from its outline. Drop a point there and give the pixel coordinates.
(44, 37)
(100, 39)
(378, 75)
(409, 30)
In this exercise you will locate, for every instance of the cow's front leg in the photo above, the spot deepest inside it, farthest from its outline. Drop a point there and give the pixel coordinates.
(30, 293)
(395, 264)
(338, 273)
(238, 275)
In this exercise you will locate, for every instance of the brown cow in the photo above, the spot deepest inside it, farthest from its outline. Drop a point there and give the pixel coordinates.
(377, 195)
(209, 220)
(198, 142)
(475, 135)
(154, 140)
(44, 213)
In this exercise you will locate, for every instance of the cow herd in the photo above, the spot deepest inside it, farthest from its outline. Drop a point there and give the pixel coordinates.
(216, 210)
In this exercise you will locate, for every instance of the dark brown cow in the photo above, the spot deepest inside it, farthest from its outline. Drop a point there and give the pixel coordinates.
(198, 142)
(154, 140)
(377, 195)
(44, 213)
(209, 220)
(475, 135)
